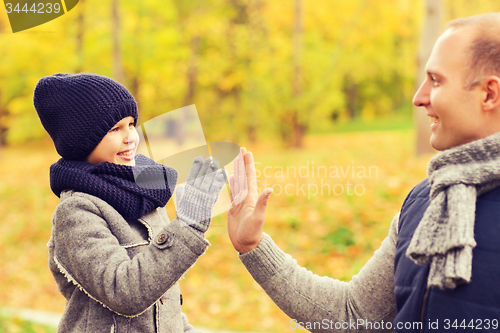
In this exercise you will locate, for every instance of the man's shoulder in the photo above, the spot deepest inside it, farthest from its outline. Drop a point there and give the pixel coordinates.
(422, 189)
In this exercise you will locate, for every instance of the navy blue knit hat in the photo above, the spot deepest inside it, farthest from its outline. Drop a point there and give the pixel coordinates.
(78, 110)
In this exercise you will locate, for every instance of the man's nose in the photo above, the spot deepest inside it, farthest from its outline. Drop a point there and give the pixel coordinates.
(422, 96)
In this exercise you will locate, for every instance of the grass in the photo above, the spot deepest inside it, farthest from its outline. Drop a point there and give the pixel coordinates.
(398, 121)
(329, 231)
(17, 325)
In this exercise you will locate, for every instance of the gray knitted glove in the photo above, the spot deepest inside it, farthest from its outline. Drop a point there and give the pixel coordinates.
(197, 198)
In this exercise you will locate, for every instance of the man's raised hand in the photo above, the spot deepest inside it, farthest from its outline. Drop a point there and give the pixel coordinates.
(247, 214)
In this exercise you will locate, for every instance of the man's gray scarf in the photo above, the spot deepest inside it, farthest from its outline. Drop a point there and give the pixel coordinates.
(445, 235)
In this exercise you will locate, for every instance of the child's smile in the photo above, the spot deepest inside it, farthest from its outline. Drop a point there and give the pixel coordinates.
(128, 154)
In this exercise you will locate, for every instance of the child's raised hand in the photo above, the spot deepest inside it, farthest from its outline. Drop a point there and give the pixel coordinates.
(202, 189)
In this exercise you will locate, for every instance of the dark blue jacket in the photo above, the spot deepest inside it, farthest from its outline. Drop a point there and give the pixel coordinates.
(472, 307)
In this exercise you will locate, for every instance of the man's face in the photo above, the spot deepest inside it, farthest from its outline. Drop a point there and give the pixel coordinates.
(118, 145)
(455, 112)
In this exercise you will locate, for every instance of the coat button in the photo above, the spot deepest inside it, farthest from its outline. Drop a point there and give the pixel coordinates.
(162, 238)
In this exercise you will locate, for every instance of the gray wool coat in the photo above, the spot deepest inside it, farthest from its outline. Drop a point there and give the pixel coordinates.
(116, 275)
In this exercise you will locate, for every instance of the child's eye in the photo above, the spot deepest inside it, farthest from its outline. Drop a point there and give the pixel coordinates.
(114, 129)
(131, 124)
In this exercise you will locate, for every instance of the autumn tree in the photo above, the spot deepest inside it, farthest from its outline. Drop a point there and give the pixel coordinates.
(430, 33)
(255, 69)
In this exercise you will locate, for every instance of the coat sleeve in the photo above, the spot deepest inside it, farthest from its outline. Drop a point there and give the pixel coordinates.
(89, 255)
(188, 328)
(324, 304)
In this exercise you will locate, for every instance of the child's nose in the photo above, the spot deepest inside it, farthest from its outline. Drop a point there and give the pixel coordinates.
(131, 136)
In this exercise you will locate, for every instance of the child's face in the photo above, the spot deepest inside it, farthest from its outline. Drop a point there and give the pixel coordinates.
(118, 146)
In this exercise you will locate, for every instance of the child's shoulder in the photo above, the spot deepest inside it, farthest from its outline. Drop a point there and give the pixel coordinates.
(75, 196)
(79, 205)
(73, 201)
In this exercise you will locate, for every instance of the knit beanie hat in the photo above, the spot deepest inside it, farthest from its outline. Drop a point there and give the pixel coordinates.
(78, 110)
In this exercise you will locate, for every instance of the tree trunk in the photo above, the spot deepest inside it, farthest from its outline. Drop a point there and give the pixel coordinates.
(430, 33)
(351, 94)
(3, 129)
(257, 35)
(117, 60)
(298, 128)
(80, 30)
(299, 131)
(134, 89)
(192, 77)
(192, 72)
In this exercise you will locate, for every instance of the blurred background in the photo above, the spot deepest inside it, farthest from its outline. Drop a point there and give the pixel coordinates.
(320, 91)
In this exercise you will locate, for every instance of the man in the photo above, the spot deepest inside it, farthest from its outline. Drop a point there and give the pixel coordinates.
(439, 267)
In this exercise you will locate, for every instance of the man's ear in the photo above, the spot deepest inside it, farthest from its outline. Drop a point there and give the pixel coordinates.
(492, 89)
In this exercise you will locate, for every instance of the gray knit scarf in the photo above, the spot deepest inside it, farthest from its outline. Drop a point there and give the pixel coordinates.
(445, 235)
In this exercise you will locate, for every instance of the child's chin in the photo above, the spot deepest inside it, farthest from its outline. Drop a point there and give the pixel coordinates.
(130, 163)
(125, 161)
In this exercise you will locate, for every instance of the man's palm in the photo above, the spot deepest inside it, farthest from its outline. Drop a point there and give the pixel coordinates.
(248, 210)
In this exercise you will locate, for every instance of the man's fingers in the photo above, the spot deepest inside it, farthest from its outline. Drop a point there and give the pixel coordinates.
(240, 197)
(241, 171)
(250, 173)
(243, 152)
(236, 183)
(261, 205)
(231, 187)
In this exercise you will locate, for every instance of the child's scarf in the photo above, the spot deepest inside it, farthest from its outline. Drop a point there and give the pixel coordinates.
(132, 191)
(445, 235)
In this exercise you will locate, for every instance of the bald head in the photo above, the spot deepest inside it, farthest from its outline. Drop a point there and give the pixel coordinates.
(484, 49)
